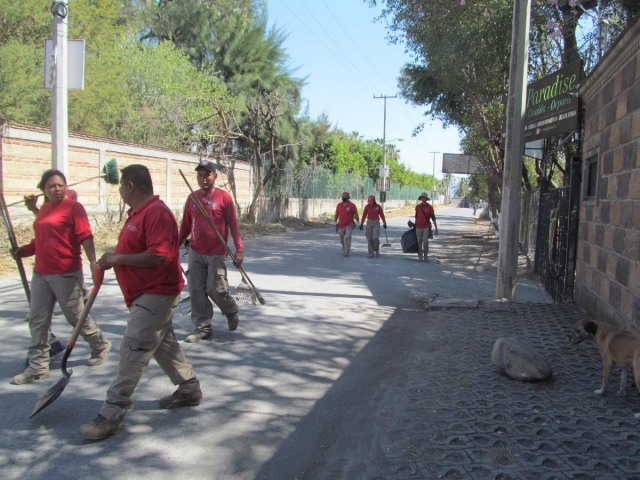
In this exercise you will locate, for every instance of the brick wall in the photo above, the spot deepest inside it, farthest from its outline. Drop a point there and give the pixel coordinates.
(25, 152)
(608, 266)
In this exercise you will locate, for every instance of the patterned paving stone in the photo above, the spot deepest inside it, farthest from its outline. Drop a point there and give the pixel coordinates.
(491, 427)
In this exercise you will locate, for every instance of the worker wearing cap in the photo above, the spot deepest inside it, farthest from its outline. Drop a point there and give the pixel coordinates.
(424, 215)
(374, 212)
(208, 255)
(346, 218)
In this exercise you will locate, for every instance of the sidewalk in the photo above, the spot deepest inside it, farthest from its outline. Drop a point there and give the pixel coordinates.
(342, 375)
(423, 400)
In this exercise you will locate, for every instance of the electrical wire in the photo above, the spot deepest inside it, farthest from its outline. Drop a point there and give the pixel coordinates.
(325, 47)
(337, 46)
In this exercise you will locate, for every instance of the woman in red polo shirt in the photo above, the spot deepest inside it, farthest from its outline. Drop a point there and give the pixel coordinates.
(61, 228)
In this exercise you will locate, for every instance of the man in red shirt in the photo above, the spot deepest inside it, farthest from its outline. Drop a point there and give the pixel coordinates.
(346, 218)
(148, 270)
(207, 255)
(424, 215)
(374, 212)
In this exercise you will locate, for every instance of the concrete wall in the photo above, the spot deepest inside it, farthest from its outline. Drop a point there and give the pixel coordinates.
(273, 209)
(25, 152)
(608, 267)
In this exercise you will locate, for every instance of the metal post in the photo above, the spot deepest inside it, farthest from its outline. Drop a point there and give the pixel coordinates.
(59, 112)
(384, 146)
(433, 184)
(514, 148)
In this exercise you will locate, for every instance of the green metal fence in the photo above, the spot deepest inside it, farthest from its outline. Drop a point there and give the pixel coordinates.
(319, 182)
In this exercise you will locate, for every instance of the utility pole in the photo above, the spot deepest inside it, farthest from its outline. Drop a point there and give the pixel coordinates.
(514, 149)
(433, 186)
(385, 174)
(59, 111)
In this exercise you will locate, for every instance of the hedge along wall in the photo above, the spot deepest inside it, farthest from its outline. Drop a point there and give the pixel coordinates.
(25, 152)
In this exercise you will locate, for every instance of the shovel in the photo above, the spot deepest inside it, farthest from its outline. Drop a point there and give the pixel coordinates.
(385, 236)
(54, 392)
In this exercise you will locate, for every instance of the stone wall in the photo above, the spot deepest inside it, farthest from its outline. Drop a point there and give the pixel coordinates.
(25, 152)
(608, 267)
(274, 209)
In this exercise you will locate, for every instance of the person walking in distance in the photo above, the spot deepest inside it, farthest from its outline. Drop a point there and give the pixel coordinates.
(61, 231)
(374, 212)
(147, 266)
(346, 218)
(207, 255)
(424, 215)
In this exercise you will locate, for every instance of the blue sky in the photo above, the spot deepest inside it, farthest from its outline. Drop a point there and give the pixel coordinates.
(344, 53)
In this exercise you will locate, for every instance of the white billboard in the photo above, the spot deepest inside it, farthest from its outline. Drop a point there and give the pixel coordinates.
(460, 163)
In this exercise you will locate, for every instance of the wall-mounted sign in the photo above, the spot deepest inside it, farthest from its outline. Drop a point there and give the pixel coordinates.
(552, 104)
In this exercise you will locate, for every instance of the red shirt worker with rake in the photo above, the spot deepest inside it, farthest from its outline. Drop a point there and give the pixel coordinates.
(346, 218)
(208, 255)
(147, 266)
(424, 215)
(374, 212)
(61, 228)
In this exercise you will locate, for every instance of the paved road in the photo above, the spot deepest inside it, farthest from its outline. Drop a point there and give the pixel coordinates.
(279, 379)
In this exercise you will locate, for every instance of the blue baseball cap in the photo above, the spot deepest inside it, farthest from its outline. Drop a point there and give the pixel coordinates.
(206, 164)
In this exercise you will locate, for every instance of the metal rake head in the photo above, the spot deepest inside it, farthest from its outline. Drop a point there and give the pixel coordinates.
(244, 294)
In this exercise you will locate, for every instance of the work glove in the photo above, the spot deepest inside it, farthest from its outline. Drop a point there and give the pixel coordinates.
(336, 227)
(384, 225)
(361, 227)
(30, 202)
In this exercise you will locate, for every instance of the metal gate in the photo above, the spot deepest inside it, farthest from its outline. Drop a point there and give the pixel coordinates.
(557, 237)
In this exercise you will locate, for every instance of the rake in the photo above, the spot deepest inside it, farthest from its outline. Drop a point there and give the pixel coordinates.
(245, 277)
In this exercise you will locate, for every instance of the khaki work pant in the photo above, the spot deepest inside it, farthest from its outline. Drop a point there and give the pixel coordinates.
(67, 290)
(345, 239)
(373, 236)
(208, 279)
(423, 242)
(149, 334)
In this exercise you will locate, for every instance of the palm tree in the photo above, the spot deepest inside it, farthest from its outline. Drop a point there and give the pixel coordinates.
(462, 190)
(446, 180)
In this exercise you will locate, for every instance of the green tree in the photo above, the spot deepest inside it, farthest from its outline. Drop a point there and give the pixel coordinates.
(174, 104)
(461, 65)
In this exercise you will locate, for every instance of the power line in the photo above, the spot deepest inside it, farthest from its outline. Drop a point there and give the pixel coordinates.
(336, 45)
(356, 45)
(364, 55)
(325, 46)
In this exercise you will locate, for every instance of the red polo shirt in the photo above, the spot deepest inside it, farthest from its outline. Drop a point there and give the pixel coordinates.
(150, 228)
(59, 233)
(222, 211)
(346, 212)
(374, 212)
(424, 216)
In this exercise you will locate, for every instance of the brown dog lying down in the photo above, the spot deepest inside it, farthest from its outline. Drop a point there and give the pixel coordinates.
(615, 346)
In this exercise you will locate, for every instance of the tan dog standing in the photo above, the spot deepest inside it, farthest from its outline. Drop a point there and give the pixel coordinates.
(615, 346)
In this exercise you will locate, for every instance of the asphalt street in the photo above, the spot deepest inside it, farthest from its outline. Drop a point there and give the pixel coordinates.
(261, 382)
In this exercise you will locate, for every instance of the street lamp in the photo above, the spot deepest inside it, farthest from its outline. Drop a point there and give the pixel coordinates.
(384, 171)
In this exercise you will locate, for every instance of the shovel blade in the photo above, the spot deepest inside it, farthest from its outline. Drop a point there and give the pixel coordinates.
(50, 396)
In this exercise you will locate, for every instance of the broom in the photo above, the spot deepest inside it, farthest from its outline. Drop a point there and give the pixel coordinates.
(110, 174)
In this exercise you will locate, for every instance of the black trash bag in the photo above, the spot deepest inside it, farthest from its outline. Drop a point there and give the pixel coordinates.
(409, 241)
